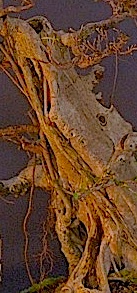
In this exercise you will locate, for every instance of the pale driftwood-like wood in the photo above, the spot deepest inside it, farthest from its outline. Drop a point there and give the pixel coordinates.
(85, 153)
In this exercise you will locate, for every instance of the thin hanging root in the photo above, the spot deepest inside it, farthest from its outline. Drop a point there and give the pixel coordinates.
(45, 96)
(25, 227)
(14, 68)
(46, 253)
(20, 84)
(54, 178)
(12, 78)
(7, 201)
(47, 156)
(31, 89)
(33, 119)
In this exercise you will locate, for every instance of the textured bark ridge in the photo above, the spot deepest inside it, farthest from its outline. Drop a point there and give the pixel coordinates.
(85, 154)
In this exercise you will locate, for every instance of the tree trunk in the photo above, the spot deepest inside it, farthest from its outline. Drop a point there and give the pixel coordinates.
(85, 154)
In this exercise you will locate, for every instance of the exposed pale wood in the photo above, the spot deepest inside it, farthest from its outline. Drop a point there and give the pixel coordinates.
(85, 154)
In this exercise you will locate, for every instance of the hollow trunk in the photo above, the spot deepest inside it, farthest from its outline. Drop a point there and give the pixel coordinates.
(88, 155)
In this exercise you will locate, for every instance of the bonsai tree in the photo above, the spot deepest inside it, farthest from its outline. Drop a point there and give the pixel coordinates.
(83, 153)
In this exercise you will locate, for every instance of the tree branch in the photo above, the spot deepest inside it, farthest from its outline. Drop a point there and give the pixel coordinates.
(20, 184)
(18, 129)
(14, 9)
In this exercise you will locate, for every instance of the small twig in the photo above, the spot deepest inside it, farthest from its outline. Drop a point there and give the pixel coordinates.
(129, 50)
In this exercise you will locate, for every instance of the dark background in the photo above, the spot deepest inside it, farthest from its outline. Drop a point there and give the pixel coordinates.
(63, 14)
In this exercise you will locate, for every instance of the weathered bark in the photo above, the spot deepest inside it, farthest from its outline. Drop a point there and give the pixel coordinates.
(85, 154)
